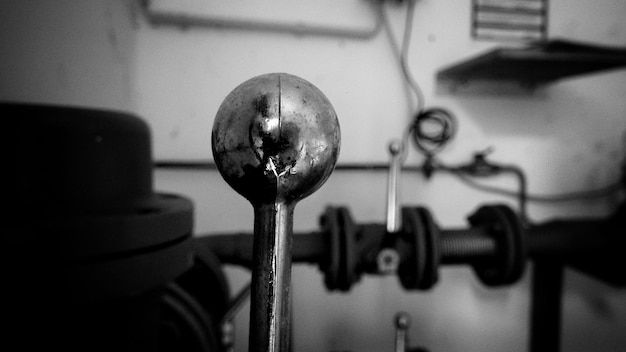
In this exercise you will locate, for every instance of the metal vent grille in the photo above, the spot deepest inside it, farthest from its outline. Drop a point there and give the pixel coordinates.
(510, 20)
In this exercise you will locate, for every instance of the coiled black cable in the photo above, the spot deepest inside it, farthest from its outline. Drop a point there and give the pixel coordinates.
(432, 129)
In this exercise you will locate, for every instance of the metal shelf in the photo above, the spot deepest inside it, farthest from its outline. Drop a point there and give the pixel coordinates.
(532, 66)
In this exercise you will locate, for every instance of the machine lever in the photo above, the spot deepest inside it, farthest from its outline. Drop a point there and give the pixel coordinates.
(393, 185)
(403, 322)
(275, 140)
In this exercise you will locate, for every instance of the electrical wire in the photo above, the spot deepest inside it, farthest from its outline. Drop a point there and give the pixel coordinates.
(383, 167)
(432, 129)
(603, 192)
(404, 55)
(428, 142)
(401, 53)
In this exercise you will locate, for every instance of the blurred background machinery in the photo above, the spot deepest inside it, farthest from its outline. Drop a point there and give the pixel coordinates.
(94, 259)
(105, 260)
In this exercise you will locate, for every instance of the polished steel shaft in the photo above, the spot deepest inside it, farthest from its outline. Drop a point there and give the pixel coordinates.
(275, 140)
(393, 186)
(271, 298)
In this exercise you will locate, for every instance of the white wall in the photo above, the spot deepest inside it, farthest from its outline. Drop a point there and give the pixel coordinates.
(67, 52)
(568, 137)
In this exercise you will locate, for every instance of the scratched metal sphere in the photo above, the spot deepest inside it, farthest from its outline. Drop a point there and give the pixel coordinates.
(275, 138)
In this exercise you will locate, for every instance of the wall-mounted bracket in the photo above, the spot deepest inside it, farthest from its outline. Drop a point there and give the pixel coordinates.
(528, 68)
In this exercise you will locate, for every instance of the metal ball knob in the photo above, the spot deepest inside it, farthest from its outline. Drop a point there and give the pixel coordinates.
(275, 137)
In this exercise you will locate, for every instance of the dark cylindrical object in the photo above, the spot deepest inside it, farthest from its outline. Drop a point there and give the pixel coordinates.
(77, 160)
(545, 313)
(567, 238)
(556, 239)
(87, 244)
(236, 249)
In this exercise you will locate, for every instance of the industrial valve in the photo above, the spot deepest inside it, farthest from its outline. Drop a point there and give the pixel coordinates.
(275, 141)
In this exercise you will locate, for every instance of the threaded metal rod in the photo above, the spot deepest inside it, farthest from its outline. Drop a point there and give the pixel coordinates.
(461, 246)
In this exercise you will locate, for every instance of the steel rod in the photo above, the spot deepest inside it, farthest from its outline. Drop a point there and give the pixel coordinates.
(271, 277)
(545, 306)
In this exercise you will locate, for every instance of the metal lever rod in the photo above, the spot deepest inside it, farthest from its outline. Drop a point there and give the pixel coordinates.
(271, 273)
(402, 323)
(388, 258)
(393, 185)
(275, 140)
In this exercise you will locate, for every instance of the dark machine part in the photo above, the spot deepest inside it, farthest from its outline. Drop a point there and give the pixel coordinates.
(420, 268)
(603, 260)
(341, 261)
(193, 305)
(92, 258)
(275, 140)
(495, 245)
(503, 225)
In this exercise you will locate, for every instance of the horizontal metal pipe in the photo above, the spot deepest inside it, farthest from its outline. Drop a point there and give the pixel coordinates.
(571, 238)
(236, 248)
(556, 239)
(156, 17)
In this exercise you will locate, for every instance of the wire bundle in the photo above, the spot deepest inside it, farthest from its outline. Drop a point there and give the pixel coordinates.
(432, 129)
